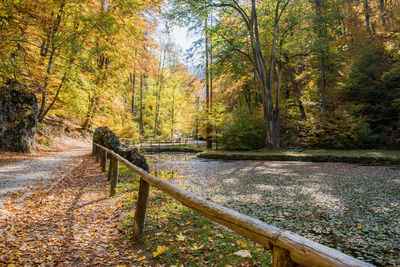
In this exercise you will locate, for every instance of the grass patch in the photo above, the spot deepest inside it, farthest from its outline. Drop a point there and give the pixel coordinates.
(367, 157)
(175, 235)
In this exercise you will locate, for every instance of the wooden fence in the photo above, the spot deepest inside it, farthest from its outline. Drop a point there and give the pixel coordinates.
(131, 142)
(288, 249)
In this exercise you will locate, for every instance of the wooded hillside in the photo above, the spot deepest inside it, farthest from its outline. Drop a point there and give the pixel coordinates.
(275, 73)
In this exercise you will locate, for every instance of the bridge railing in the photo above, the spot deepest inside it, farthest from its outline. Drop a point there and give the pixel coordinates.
(288, 249)
(134, 142)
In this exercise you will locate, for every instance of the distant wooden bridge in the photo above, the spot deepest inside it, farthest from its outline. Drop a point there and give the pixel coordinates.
(144, 143)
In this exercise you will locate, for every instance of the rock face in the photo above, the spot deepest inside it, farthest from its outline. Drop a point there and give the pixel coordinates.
(18, 118)
(105, 137)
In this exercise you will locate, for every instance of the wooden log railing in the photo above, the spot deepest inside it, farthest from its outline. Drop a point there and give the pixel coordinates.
(132, 142)
(288, 249)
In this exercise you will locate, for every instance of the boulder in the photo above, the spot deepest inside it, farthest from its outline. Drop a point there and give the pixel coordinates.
(18, 118)
(105, 137)
(135, 158)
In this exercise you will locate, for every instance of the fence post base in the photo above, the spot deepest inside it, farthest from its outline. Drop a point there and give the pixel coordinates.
(114, 175)
(110, 166)
(103, 160)
(281, 258)
(140, 212)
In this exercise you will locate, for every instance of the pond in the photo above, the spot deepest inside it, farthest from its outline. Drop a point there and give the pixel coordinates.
(349, 207)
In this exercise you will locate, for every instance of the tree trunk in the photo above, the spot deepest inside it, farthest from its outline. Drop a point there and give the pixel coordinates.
(158, 90)
(55, 97)
(276, 113)
(367, 14)
(247, 97)
(46, 82)
(173, 114)
(382, 9)
(297, 88)
(322, 51)
(132, 80)
(208, 126)
(90, 113)
(141, 127)
(50, 43)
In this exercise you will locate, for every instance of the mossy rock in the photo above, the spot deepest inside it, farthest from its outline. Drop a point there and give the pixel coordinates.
(107, 138)
(18, 118)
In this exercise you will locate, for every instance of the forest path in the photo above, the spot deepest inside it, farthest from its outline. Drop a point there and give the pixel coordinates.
(22, 178)
(75, 224)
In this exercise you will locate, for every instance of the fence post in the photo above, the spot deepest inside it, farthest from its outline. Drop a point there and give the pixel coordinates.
(98, 152)
(94, 150)
(103, 161)
(281, 257)
(110, 166)
(114, 175)
(140, 212)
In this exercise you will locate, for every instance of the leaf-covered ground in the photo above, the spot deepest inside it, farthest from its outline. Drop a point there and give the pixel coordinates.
(20, 178)
(349, 207)
(7, 157)
(77, 224)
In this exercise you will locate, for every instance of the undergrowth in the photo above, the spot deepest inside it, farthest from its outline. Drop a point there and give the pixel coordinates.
(175, 235)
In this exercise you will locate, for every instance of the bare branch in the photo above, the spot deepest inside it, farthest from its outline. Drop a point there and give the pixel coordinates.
(236, 49)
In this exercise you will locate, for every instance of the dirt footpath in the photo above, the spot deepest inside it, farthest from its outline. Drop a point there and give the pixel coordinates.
(23, 177)
(76, 224)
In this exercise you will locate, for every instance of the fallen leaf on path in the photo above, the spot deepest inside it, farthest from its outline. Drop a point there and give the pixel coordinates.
(243, 253)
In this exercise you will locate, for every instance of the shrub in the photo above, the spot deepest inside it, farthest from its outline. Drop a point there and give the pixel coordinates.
(243, 132)
(336, 129)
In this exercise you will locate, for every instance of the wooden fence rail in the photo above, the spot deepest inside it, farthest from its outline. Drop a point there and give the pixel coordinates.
(130, 142)
(288, 249)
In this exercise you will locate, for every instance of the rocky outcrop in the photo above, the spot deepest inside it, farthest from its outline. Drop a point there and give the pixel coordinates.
(105, 137)
(18, 118)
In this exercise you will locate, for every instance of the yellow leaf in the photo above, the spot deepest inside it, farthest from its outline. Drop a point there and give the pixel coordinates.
(160, 250)
(197, 247)
(88, 207)
(141, 258)
(360, 227)
(243, 253)
(180, 237)
(219, 235)
(11, 265)
(242, 244)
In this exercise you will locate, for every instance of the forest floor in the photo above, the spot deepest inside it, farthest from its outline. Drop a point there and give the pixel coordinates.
(21, 174)
(77, 224)
(74, 224)
(350, 207)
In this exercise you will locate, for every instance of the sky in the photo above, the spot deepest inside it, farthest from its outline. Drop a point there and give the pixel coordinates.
(184, 40)
(181, 37)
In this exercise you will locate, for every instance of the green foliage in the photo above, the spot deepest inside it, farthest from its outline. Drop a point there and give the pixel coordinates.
(372, 91)
(336, 129)
(242, 132)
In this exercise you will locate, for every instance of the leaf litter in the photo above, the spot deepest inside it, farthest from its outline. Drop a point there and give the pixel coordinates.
(349, 207)
(75, 224)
